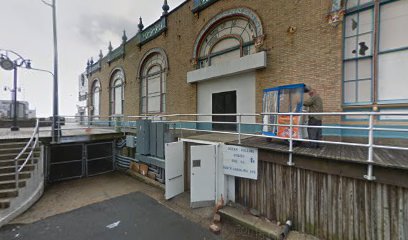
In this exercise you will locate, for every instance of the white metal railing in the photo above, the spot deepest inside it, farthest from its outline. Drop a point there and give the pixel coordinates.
(31, 145)
(177, 120)
(370, 129)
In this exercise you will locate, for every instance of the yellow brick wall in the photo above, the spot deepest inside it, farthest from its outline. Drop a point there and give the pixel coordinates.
(311, 55)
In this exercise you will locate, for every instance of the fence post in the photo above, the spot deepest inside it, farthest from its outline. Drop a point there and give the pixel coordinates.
(369, 175)
(290, 162)
(239, 128)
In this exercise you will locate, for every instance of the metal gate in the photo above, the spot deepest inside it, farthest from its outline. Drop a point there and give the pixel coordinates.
(70, 161)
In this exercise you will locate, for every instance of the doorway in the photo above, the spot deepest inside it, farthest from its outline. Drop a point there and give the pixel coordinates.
(224, 103)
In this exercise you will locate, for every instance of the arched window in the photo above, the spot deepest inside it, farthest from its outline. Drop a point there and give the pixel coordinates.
(116, 93)
(229, 35)
(153, 82)
(96, 96)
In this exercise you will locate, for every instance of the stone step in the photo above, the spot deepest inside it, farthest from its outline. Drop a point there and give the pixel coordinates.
(13, 150)
(4, 185)
(4, 203)
(5, 163)
(12, 169)
(9, 156)
(12, 176)
(12, 144)
(9, 193)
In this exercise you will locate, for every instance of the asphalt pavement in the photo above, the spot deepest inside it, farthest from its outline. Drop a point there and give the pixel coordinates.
(130, 217)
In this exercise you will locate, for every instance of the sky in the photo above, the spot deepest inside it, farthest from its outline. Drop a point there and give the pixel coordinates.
(84, 27)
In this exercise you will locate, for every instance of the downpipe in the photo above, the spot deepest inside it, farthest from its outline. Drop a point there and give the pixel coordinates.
(286, 230)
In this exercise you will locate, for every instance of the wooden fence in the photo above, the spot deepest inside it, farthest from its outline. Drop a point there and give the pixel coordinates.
(328, 206)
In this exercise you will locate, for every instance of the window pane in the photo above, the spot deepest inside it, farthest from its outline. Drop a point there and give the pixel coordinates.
(364, 68)
(154, 84)
(393, 25)
(154, 104)
(364, 91)
(154, 69)
(96, 103)
(392, 76)
(350, 92)
(350, 47)
(365, 22)
(350, 70)
(351, 3)
(351, 25)
(364, 45)
(225, 44)
(362, 2)
(118, 100)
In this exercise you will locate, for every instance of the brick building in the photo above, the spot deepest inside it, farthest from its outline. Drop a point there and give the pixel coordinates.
(226, 52)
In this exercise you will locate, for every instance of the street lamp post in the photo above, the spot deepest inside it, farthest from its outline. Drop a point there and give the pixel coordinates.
(15, 104)
(56, 131)
(8, 64)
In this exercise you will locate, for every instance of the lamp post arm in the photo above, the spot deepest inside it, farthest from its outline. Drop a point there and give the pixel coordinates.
(46, 3)
(41, 70)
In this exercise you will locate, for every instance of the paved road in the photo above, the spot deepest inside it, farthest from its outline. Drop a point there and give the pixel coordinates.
(140, 216)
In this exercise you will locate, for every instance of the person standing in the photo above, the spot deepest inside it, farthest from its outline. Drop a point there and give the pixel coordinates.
(315, 105)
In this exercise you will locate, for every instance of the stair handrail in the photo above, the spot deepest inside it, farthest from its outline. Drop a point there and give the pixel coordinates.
(34, 137)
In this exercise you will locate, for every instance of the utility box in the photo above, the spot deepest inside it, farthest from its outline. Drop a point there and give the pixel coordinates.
(153, 138)
(130, 141)
(143, 137)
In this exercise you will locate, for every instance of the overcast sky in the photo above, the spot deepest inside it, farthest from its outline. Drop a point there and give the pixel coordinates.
(84, 27)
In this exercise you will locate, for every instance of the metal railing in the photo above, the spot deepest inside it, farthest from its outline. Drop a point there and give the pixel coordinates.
(370, 129)
(191, 122)
(31, 145)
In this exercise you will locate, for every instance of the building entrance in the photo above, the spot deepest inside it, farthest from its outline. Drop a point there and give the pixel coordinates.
(224, 103)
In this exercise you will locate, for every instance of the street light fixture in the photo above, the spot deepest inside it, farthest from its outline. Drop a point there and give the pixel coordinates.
(7, 64)
(10, 60)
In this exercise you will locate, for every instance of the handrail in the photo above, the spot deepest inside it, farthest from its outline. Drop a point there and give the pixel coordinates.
(30, 141)
(18, 168)
(29, 156)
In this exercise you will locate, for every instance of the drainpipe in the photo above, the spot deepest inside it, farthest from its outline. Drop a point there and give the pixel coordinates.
(286, 230)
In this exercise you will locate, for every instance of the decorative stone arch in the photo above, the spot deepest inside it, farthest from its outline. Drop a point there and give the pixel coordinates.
(152, 74)
(148, 54)
(113, 71)
(246, 13)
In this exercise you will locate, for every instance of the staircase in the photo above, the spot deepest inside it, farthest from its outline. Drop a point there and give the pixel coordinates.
(21, 175)
(8, 188)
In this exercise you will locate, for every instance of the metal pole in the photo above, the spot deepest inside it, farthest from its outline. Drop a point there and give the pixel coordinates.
(369, 175)
(239, 128)
(290, 162)
(55, 129)
(15, 127)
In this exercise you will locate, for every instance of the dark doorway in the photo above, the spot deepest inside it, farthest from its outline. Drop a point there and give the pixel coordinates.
(222, 103)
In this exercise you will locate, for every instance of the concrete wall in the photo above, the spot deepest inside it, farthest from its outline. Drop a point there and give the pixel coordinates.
(244, 84)
(27, 195)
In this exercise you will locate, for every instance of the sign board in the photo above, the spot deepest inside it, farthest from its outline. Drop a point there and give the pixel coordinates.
(240, 161)
(284, 131)
(83, 87)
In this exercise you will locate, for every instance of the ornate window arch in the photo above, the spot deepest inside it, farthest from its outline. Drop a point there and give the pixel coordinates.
(116, 92)
(231, 34)
(152, 73)
(95, 98)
